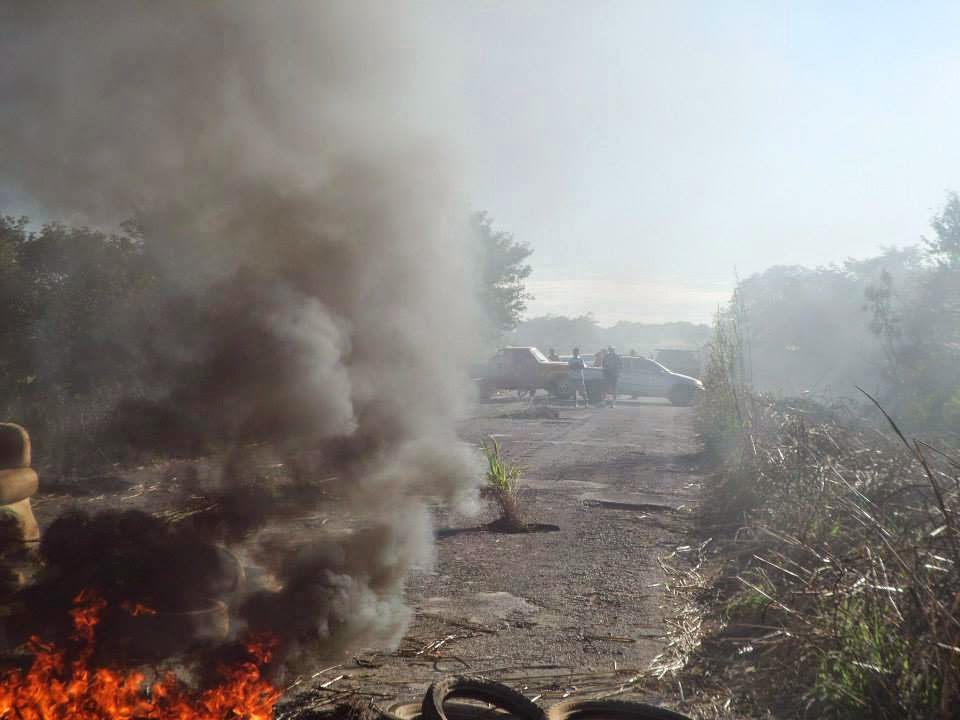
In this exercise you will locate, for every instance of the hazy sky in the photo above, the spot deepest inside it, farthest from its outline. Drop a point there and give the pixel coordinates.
(648, 151)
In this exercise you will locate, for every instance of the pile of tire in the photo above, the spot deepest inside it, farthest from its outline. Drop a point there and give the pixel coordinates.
(440, 703)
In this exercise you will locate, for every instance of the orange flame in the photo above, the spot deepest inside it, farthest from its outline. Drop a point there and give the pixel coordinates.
(137, 609)
(54, 689)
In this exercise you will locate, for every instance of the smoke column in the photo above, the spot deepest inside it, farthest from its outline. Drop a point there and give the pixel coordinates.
(282, 164)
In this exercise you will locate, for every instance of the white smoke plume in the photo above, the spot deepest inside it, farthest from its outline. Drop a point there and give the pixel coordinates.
(284, 165)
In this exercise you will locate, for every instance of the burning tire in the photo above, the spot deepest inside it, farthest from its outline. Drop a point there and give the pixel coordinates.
(151, 634)
(470, 688)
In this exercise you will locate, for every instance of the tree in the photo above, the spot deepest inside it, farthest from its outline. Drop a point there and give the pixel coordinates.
(503, 270)
(806, 331)
(944, 249)
(15, 311)
(930, 351)
(71, 300)
(559, 332)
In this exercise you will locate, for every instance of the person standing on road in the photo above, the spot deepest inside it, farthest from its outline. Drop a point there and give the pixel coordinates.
(552, 355)
(576, 375)
(612, 365)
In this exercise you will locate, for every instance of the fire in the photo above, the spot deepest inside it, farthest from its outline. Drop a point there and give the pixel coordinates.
(138, 609)
(56, 688)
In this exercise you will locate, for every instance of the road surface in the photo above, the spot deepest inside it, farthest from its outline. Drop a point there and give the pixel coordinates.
(621, 484)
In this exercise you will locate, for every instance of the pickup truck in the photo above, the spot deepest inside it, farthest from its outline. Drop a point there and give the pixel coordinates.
(526, 368)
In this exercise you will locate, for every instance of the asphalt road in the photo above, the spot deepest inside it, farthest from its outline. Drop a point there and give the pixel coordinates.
(621, 484)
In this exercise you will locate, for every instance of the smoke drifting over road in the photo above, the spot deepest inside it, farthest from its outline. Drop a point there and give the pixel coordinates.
(305, 225)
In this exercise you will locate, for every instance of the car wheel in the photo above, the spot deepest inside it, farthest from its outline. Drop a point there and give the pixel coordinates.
(485, 390)
(562, 389)
(681, 395)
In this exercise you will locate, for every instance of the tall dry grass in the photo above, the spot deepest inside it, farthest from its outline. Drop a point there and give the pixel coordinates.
(841, 595)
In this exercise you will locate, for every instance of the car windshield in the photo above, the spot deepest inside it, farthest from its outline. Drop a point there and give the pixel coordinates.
(538, 355)
(641, 364)
(676, 356)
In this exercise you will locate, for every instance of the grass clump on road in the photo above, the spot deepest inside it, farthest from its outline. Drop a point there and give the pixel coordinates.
(502, 488)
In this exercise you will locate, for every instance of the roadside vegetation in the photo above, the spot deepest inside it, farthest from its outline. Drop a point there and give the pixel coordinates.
(89, 326)
(563, 333)
(889, 324)
(838, 593)
(502, 488)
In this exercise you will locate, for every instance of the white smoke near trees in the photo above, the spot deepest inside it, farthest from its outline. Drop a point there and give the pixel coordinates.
(304, 218)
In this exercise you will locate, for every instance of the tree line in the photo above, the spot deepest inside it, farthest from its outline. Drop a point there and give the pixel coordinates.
(563, 333)
(74, 302)
(889, 324)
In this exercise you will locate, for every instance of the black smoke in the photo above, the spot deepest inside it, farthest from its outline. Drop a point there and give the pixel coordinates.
(301, 217)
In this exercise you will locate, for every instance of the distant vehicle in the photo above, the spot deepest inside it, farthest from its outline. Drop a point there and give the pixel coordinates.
(528, 369)
(643, 377)
(686, 362)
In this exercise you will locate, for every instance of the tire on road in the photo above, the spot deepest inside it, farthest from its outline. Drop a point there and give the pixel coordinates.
(453, 709)
(472, 688)
(610, 710)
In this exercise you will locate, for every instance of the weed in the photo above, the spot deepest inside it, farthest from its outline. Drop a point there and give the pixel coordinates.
(502, 488)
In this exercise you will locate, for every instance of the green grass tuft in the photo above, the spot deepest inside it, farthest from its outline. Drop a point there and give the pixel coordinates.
(502, 488)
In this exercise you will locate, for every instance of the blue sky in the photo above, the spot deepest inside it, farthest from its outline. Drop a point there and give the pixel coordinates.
(650, 151)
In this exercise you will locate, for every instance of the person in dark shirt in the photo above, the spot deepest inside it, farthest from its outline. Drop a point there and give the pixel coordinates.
(612, 364)
(552, 355)
(576, 375)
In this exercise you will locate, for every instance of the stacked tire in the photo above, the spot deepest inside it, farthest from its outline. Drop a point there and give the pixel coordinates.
(445, 698)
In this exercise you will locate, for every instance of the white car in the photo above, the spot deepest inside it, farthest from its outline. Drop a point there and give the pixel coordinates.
(643, 377)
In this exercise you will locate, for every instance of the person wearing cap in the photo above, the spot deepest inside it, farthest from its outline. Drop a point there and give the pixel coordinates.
(612, 365)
